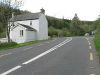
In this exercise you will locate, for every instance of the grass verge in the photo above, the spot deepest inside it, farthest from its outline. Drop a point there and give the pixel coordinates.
(97, 42)
(97, 45)
(5, 46)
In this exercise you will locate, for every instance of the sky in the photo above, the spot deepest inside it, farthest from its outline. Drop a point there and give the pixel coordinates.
(85, 9)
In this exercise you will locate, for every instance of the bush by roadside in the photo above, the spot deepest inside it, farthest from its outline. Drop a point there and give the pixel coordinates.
(7, 45)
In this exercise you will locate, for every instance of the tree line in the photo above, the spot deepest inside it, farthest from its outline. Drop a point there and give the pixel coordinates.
(57, 27)
(65, 27)
(7, 7)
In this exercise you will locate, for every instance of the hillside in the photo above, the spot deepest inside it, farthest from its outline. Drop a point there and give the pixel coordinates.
(65, 27)
(57, 27)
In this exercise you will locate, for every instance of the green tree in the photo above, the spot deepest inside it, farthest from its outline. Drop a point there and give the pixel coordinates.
(6, 9)
(74, 26)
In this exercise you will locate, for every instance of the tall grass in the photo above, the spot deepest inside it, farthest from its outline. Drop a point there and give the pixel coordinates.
(7, 45)
(97, 42)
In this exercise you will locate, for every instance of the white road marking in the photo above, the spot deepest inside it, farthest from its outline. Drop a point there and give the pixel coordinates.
(92, 74)
(5, 55)
(90, 47)
(40, 44)
(91, 67)
(37, 57)
(91, 56)
(48, 51)
(87, 39)
(89, 43)
(27, 48)
(11, 70)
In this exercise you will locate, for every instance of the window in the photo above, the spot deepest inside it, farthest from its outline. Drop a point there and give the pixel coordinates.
(30, 22)
(21, 33)
(13, 24)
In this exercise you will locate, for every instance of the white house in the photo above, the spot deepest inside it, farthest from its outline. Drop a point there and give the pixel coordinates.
(28, 27)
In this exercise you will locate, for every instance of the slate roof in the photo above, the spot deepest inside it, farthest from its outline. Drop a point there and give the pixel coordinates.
(28, 27)
(28, 16)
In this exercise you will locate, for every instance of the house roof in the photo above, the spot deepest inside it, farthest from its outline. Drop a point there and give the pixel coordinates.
(28, 16)
(28, 27)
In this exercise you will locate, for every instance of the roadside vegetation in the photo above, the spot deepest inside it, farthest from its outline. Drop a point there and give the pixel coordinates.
(97, 42)
(57, 27)
(97, 37)
(65, 27)
(5, 46)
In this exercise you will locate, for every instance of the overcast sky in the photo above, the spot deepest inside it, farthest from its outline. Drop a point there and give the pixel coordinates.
(86, 9)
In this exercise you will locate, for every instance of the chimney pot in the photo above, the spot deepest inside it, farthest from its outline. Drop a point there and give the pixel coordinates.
(42, 11)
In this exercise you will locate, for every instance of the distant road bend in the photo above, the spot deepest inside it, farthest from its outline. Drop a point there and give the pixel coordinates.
(60, 56)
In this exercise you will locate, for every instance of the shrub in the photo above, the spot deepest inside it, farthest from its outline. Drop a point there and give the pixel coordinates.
(7, 45)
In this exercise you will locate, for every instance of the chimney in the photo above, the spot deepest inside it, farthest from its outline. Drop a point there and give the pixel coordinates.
(42, 11)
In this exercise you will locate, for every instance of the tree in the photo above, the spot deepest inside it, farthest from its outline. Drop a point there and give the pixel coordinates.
(75, 26)
(10, 5)
(97, 23)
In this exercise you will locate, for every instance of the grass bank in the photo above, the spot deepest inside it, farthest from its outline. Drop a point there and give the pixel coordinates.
(5, 46)
(97, 42)
(97, 45)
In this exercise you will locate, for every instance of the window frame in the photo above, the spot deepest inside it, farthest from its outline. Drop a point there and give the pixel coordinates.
(21, 33)
(30, 22)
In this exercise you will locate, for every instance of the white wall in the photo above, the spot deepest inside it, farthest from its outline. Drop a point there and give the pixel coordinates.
(43, 28)
(30, 36)
(2, 40)
(15, 34)
(41, 25)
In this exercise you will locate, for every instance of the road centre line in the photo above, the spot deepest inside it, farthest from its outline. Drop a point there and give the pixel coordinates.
(40, 44)
(37, 57)
(91, 67)
(27, 48)
(11, 70)
(48, 51)
(5, 55)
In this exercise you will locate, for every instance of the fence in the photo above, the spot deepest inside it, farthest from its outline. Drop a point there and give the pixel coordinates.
(3, 40)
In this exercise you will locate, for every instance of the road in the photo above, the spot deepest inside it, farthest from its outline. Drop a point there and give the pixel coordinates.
(60, 56)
